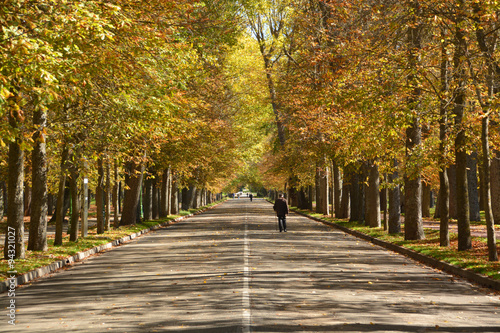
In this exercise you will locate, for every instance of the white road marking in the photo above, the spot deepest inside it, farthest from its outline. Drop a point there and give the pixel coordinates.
(246, 281)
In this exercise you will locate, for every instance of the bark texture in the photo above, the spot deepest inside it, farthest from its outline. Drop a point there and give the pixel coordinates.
(357, 190)
(426, 199)
(60, 205)
(394, 204)
(413, 184)
(38, 221)
(495, 186)
(132, 193)
(337, 189)
(460, 99)
(99, 196)
(164, 204)
(75, 205)
(373, 197)
(473, 186)
(147, 199)
(15, 199)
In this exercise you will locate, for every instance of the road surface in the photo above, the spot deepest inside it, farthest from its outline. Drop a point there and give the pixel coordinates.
(229, 270)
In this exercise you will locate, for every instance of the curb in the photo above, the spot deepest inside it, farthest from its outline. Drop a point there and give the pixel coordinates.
(429, 261)
(41, 271)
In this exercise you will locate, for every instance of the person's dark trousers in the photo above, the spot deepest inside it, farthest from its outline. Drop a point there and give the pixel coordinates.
(282, 223)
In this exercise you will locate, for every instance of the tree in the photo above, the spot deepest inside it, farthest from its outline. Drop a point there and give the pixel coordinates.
(267, 21)
(38, 225)
(492, 76)
(413, 184)
(459, 98)
(133, 183)
(15, 213)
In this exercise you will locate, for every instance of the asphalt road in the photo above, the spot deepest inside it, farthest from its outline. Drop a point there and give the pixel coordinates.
(229, 270)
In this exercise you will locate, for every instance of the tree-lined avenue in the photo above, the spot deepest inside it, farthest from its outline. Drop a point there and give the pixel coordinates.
(229, 270)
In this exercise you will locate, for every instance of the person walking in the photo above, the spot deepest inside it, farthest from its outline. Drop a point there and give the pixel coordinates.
(281, 209)
(251, 197)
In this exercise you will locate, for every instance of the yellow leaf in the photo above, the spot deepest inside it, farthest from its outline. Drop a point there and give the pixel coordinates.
(5, 93)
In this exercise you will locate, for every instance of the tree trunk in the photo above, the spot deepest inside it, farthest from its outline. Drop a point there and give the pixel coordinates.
(120, 197)
(490, 222)
(184, 199)
(155, 204)
(488, 50)
(495, 186)
(474, 213)
(175, 195)
(345, 200)
(413, 209)
(317, 189)
(464, 235)
(310, 198)
(188, 197)
(354, 191)
(99, 196)
(268, 63)
(14, 234)
(50, 204)
(413, 184)
(147, 199)
(481, 186)
(459, 64)
(384, 197)
(394, 203)
(486, 180)
(27, 199)
(337, 189)
(194, 197)
(452, 180)
(169, 192)
(138, 216)
(38, 221)
(60, 205)
(85, 207)
(357, 196)
(373, 196)
(331, 196)
(426, 199)
(324, 189)
(197, 199)
(132, 193)
(75, 205)
(443, 207)
(116, 197)
(2, 199)
(107, 202)
(164, 193)
(303, 202)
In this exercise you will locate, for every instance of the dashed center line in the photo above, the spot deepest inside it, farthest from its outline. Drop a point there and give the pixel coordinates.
(246, 281)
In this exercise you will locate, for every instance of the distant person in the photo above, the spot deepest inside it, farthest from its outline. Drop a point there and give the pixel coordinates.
(251, 197)
(281, 209)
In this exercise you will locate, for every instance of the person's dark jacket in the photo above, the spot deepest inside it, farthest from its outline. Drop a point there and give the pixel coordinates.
(281, 207)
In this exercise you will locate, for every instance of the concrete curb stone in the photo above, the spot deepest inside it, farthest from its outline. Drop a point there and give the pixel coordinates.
(41, 271)
(429, 261)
